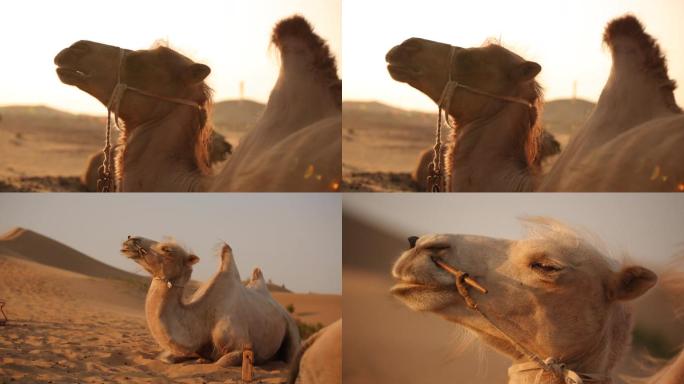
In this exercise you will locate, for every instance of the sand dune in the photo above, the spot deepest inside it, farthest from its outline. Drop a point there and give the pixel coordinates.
(75, 319)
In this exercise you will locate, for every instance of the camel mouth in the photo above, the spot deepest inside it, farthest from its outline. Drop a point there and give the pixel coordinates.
(407, 288)
(402, 73)
(132, 253)
(72, 76)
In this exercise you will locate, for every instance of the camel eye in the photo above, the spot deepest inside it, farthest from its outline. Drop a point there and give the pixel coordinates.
(545, 267)
(166, 249)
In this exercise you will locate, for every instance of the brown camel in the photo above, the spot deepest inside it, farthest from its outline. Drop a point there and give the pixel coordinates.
(632, 141)
(219, 149)
(549, 147)
(163, 102)
(553, 302)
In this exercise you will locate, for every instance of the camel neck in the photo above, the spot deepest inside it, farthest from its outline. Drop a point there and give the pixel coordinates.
(489, 154)
(170, 321)
(163, 148)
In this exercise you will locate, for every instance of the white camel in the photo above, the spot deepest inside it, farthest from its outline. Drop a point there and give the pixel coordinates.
(553, 302)
(221, 319)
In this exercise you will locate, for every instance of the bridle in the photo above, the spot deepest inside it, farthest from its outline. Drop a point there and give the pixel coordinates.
(105, 182)
(436, 169)
(550, 365)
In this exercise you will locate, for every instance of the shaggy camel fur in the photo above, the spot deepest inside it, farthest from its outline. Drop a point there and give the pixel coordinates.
(554, 293)
(219, 149)
(221, 318)
(320, 359)
(631, 142)
(549, 147)
(295, 146)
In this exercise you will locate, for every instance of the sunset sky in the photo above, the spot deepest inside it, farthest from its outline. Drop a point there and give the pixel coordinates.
(295, 238)
(232, 37)
(563, 36)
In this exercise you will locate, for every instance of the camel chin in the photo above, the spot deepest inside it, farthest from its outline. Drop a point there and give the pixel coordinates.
(424, 298)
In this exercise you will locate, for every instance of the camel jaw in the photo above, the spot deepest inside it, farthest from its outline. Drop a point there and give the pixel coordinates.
(71, 76)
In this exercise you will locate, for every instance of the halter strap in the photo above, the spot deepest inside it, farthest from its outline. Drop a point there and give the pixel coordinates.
(435, 169)
(168, 282)
(549, 365)
(105, 182)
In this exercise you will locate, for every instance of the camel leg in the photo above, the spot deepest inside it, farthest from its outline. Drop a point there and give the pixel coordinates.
(170, 358)
(230, 359)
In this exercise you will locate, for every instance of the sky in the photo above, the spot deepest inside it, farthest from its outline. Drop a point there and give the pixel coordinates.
(565, 37)
(232, 37)
(295, 238)
(645, 226)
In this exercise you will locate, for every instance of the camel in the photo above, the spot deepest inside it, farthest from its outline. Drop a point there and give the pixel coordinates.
(631, 141)
(553, 302)
(222, 317)
(164, 104)
(219, 149)
(548, 147)
(320, 359)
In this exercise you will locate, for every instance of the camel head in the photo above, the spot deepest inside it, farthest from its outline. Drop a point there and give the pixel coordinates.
(167, 261)
(96, 68)
(303, 54)
(428, 66)
(552, 292)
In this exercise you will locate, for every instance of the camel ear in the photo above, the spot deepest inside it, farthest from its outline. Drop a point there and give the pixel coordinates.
(525, 71)
(632, 282)
(192, 259)
(196, 73)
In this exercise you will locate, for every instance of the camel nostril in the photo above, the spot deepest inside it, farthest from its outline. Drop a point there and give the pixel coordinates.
(412, 241)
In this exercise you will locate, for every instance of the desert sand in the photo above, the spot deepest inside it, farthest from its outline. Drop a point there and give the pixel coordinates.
(385, 342)
(381, 144)
(75, 319)
(44, 149)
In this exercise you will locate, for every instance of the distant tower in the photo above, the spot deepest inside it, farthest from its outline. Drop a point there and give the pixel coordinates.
(242, 90)
(574, 91)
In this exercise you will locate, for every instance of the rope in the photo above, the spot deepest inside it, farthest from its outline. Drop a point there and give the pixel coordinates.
(4, 319)
(549, 365)
(435, 169)
(105, 182)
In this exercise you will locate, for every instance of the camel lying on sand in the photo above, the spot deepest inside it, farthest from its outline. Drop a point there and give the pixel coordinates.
(220, 319)
(164, 104)
(219, 149)
(631, 142)
(552, 302)
(320, 359)
(548, 147)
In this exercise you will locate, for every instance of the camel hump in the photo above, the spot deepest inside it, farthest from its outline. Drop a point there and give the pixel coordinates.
(297, 27)
(257, 275)
(293, 26)
(626, 26)
(228, 261)
(629, 27)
